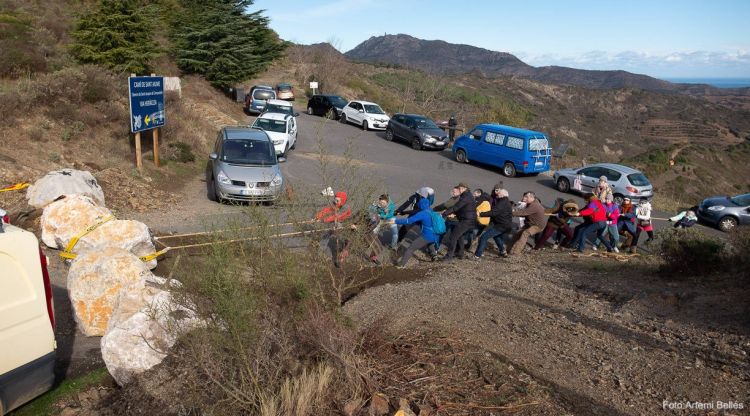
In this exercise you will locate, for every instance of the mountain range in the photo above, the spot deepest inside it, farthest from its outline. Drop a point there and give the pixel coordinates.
(440, 57)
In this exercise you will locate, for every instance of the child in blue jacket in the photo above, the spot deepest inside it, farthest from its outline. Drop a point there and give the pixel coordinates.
(427, 239)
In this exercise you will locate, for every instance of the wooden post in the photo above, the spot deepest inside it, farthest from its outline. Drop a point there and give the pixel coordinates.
(138, 161)
(156, 147)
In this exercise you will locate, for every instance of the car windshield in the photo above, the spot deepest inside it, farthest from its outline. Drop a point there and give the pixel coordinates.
(284, 87)
(248, 152)
(638, 179)
(741, 200)
(424, 123)
(263, 94)
(275, 108)
(337, 101)
(373, 109)
(276, 126)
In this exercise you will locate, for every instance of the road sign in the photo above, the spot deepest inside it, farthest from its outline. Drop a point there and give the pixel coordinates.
(313, 85)
(146, 103)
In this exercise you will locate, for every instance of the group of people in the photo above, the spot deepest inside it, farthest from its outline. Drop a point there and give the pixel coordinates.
(468, 215)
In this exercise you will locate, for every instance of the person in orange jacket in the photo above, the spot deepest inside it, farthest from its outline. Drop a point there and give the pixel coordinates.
(336, 213)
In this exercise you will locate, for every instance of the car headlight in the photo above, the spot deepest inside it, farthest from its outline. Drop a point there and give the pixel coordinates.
(716, 208)
(277, 180)
(278, 141)
(428, 139)
(223, 178)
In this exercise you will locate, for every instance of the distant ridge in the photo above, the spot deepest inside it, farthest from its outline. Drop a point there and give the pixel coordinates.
(437, 56)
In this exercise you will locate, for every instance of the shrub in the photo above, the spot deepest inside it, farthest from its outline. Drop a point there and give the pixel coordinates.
(181, 152)
(690, 252)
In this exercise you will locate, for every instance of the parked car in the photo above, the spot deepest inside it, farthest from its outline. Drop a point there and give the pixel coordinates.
(725, 212)
(366, 114)
(281, 128)
(27, 320)
(243, 166)
(513, 149)
(625, 181)
(285, 91)
(419, 131)
(280, 106)
(326, 105)
(256, 99)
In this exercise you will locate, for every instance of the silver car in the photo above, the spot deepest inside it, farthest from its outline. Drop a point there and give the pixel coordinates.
(725, 212)
(626, 182)
(243, 167)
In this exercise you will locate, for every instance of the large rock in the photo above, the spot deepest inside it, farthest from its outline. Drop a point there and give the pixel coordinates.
(64, 182)
(64, 219)
(145, 324)
(133, 236)
(94, 281)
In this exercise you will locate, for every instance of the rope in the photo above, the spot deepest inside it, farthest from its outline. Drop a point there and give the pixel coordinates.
(164, 237)
(237, 240)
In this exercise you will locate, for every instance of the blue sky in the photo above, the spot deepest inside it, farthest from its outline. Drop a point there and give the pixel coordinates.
(667, 39)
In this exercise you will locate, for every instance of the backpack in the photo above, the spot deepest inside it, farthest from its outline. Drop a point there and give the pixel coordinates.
(438, 223)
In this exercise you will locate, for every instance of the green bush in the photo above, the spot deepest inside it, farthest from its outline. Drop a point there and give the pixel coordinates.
(690, 252)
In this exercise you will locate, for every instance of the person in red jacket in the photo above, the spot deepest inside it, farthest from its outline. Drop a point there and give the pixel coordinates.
(597, 217)
(336, 213)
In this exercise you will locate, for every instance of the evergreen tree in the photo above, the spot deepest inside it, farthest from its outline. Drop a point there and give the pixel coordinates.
(221, 41)
(117, 35)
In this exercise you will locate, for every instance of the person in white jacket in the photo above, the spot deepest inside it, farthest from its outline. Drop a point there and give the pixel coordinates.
(643, 223)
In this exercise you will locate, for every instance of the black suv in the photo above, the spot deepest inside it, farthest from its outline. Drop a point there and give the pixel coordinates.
(419, 131)
(326, 105)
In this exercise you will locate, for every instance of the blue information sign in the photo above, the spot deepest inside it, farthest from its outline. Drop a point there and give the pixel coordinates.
(146, 103)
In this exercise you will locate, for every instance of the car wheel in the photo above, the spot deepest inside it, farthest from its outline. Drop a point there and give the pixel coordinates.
(389, 135)
(343, 118)
(461, 156)
(309, 110)
(294, 146)
(563, 185)
(727, 224)
(509, 169)
(364, 125)
(211, 190)
(416, 144)
(618, 199)
(331, 114)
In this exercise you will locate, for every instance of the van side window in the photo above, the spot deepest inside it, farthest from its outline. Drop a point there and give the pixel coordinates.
(476, 134)
(514, 143)
(494, 138)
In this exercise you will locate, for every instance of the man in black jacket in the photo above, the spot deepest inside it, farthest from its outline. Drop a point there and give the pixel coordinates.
(465, 211)
(501, 222)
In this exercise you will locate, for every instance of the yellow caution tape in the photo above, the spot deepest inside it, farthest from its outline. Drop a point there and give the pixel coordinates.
(73, 241)
(146, 258)
(16, 187)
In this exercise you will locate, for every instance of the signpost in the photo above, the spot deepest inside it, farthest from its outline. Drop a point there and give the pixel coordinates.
(314, 86)
(146, 111)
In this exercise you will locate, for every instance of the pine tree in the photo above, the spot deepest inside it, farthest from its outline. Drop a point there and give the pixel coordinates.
(221, 41)
(117, 35)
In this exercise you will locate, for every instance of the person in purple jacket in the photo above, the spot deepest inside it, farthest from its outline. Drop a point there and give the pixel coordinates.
(613, 213)
(427, 239)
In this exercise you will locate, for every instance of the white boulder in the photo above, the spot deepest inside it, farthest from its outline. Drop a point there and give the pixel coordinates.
(64, 182)
(95, 279)
(145, 324)
(133, 236)
(64, 219)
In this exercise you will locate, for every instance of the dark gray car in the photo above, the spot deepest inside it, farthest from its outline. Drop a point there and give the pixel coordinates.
(725, 212)
(243, 167)
(419, 131)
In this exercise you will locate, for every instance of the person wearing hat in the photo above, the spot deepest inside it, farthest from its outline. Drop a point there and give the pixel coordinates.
(501, 223)
(613, 214)
(602, 190)
(559, 220)
(643, 223)
(626, 222)
(465, 211)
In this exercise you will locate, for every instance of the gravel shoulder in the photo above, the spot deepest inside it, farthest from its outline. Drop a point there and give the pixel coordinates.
(608, 338)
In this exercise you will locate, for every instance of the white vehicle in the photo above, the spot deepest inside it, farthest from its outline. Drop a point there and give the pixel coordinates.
(281, 128)
(365, 114)
(27, 320)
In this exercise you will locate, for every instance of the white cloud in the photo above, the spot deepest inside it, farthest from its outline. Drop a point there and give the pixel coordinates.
(686, 63)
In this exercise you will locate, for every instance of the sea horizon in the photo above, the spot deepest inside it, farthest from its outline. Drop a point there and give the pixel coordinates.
(715, 81)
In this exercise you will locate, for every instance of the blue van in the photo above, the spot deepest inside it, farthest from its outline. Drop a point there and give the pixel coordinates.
(512, 149)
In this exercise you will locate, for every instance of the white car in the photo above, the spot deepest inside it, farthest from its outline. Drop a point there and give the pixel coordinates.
(281, 128)
(27, 319)
(366, 114)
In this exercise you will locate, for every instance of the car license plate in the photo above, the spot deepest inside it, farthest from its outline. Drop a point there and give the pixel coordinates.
(439, 143)
(250, 191)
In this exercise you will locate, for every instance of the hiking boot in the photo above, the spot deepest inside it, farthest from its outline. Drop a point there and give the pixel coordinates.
(595, 248)
(555, 246)
(649, 240)
(475, 258)
(615, 249)
(504, 254)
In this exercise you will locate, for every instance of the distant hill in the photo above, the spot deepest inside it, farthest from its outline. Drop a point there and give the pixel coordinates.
(440, 57)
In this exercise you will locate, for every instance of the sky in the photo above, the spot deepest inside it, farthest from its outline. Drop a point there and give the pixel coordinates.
(660, 38)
